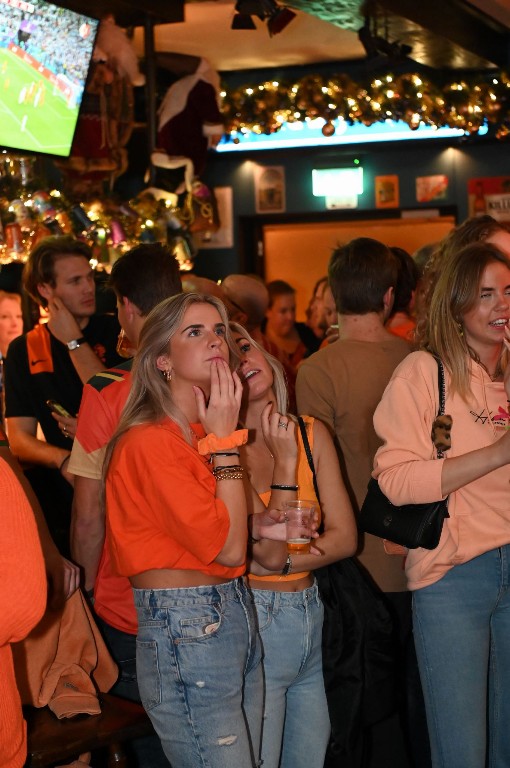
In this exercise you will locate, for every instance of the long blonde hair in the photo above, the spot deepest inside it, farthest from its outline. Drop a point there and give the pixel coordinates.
(454, 292)
(150, 398)
(279, 380)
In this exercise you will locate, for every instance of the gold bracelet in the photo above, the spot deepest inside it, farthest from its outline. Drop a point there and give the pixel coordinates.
(233, 472)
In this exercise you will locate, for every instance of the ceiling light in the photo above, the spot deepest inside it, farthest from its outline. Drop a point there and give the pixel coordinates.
(243, 21)
(277, 17)
(376, 45)
(280, 18)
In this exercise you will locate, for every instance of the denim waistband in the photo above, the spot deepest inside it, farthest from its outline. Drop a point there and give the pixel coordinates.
(276, 598)
(166, 598)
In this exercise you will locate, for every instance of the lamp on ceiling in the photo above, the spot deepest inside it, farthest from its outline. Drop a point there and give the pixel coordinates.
(277, 16)
(376, 45)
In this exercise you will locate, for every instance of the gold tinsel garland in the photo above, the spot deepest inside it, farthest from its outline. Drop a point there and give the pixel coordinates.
(461, 103)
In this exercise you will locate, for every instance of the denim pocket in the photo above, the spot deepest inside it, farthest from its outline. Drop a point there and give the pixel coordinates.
(149, 679)
(199, 627)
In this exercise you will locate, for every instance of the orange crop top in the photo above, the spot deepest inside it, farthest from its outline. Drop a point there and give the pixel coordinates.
(162, 511)
(304, 479)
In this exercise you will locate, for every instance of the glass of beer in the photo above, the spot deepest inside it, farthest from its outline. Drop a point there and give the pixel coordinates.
(299, 516)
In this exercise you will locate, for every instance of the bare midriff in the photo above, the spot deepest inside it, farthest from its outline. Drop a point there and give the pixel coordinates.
(168, 578)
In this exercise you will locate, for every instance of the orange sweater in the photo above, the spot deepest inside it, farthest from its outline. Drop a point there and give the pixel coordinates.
(22, 603)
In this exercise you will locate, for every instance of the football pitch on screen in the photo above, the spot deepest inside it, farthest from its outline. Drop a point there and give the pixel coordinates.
(33, 115)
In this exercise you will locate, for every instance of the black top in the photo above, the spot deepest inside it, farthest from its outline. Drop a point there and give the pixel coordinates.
(26, 393)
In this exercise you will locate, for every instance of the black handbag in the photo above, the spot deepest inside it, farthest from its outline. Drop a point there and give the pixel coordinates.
(411, 525)
(358, 651)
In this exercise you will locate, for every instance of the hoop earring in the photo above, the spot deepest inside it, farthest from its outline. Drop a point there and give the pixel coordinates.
(167, 375)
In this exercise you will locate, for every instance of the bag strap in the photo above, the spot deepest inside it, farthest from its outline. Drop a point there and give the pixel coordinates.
(308, 451)
(441, 385)
(442, 394)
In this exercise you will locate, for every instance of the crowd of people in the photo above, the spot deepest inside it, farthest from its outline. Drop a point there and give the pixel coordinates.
(157, 471)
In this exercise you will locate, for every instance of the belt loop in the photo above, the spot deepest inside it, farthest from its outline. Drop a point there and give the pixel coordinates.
(153, 603)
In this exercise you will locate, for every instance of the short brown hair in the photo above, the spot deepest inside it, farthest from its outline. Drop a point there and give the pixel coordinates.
(360, 273)
(40, 267)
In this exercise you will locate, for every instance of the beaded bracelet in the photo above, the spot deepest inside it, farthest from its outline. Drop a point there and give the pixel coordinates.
(234, 472)
(282, 487)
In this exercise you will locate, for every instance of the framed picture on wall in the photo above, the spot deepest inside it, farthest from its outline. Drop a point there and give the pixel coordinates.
(269, 189)
(387, 192)
(429, 188)
(490, 194)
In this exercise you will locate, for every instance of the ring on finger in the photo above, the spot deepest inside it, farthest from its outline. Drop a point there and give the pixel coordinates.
(283, 424)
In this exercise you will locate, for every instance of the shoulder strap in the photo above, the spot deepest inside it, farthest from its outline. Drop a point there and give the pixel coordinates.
(442, 395)
(306, 444)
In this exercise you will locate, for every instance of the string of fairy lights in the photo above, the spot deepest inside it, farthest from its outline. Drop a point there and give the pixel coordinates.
(463, 103)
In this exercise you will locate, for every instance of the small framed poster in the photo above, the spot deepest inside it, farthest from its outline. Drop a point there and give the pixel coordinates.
(269, 189)
(387, 192)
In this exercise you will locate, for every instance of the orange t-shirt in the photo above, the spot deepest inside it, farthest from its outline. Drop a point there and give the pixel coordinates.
(162, 511)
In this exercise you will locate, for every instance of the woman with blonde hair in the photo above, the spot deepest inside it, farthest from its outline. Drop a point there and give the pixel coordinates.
(177, 518)
(296, 725)
(461, 601)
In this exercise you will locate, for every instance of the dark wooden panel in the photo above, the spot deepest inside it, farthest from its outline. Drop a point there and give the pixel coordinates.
(129, 12)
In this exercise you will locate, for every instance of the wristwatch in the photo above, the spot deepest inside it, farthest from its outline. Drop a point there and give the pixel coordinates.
(75, 343)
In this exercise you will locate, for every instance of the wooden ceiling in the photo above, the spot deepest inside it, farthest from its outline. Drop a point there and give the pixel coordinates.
(442, 33)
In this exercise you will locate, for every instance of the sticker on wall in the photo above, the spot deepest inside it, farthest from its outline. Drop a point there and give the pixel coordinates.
(429, 188)
(491, 195)
(269, 189)
(387, 192)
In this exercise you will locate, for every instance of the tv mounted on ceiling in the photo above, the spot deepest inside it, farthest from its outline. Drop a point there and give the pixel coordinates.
(45, 53)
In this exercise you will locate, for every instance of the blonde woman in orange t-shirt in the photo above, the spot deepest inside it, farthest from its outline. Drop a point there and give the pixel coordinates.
(285, 594)
(177, 521)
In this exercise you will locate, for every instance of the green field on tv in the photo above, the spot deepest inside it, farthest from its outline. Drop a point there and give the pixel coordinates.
(33, 114)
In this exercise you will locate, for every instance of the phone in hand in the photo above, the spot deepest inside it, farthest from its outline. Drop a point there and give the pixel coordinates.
(57, 408)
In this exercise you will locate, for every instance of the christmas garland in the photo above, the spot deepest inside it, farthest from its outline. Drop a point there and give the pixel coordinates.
(463, 103)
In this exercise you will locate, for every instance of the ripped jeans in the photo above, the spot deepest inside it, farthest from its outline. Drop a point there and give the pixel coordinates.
(200, 675)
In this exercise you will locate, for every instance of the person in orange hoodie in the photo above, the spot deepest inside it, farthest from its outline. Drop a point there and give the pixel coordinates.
(22, 604)
(461, 600)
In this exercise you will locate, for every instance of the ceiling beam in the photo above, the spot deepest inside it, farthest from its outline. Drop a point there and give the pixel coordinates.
(458, 22)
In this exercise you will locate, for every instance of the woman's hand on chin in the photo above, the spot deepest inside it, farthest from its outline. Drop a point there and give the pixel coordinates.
(221, 414)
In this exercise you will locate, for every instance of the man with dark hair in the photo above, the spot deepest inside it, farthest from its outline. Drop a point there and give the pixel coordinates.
(51, 363)
(342, 384)
(141, 278)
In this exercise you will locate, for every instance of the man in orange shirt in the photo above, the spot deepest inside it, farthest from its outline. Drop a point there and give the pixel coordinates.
(141, 279)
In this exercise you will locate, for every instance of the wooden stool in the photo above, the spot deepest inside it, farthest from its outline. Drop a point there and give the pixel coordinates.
(51, 740)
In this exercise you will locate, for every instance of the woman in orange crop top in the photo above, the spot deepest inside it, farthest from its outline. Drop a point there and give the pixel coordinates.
(177, 518)
(289, 609)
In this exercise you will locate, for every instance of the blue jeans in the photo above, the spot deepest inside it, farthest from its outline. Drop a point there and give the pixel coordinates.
(462, 636)
(199, 673)
(295, 729)
(147, 750)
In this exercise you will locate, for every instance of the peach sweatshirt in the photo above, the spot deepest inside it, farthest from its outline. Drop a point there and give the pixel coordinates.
(22, 603)
(408, 471)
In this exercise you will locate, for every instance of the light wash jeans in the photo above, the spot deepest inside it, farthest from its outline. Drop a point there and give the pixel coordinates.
(296, 728)
(199, 674)
(462, 636)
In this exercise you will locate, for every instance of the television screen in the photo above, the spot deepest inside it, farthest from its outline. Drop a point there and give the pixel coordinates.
(45, 53)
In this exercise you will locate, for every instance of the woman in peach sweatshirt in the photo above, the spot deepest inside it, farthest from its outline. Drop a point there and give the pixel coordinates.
(461, 601)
